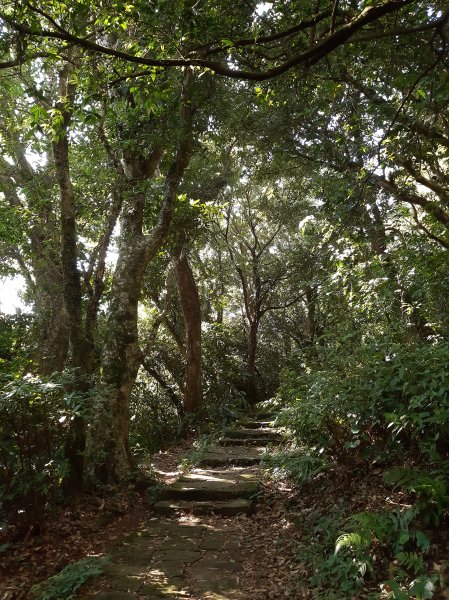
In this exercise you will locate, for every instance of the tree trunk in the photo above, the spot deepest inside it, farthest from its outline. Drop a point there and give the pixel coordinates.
(109, 435)
(251, 375)
(75, 444)
(191, 310)
(52, 328)
(121, 359)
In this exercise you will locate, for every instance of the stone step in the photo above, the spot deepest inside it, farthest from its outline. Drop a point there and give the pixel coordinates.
(241, 456)
(212, 485)
(227, 508)
(268, 433)
(256, 441)
(253, 424)
(264, 416)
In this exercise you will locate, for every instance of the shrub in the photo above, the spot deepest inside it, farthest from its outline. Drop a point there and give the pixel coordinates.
(383, 401)
(36, 416)
(155, 420)
(297, 466)
(384, 395)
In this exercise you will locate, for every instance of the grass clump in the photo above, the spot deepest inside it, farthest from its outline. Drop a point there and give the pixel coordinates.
(64, 584)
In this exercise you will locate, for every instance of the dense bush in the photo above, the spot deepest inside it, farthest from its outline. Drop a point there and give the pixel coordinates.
(382, 396)
(155, 419)
(14, 339)
(385, 402)
(36, 416)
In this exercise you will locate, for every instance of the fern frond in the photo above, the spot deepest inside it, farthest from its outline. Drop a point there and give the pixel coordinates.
(355, 541)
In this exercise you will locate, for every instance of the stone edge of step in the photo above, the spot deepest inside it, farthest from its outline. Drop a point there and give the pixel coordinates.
(225, 508)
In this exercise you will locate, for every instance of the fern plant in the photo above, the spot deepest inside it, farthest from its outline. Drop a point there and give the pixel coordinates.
(64, 584)
(332, 576)
(396, 533)
(300, 467)
(432, 497)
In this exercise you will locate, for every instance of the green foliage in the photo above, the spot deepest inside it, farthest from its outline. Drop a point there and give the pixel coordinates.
(222, 368)
(200, 446)
(421, 588)
(36, 416)
(14, 343)
(386, 402)
(295, 465)
(65, 583)
(331, 575)
(351, 556)
(155, 421)
(430, 489)
(392, 529)
(394, 535)
(391, 395)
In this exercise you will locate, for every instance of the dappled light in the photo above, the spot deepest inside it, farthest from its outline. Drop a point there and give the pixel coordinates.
(224, 316)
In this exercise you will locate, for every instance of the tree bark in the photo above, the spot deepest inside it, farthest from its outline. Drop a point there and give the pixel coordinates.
(75, 444)
(109, 437)
(191, 310)
(52, 329)
(251, 375)
(121, 358)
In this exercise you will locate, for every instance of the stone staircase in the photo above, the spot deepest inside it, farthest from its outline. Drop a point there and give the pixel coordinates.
(226, 480)
(171, 559)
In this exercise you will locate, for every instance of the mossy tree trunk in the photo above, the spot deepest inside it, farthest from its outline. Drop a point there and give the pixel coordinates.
(109, 439)
(80, 352)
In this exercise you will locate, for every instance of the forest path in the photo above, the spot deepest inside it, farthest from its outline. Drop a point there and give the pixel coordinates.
(196, 554)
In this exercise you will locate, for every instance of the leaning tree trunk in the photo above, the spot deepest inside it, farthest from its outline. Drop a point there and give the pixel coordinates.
(191, 310)
(109, 439)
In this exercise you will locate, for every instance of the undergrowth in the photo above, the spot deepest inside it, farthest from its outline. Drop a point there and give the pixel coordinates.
(372, 554)
(381, 404)
(64, 584)
(294, 465)
(199, 448)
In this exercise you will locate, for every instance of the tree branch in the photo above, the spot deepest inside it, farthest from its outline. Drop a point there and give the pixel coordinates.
(309, 56)
(411, 198)
(282, 306)
(427, 231)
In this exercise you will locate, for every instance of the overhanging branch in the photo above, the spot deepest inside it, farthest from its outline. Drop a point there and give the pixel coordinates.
(309, 56)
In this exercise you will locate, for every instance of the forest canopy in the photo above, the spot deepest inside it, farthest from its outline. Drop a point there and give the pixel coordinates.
(215, 204)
